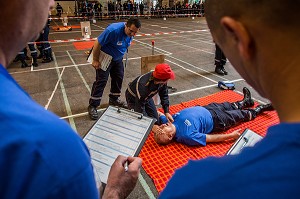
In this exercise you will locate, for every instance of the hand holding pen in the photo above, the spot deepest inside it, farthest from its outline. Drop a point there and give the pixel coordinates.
(122, 177)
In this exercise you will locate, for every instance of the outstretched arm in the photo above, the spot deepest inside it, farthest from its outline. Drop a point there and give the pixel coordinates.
(222, 137)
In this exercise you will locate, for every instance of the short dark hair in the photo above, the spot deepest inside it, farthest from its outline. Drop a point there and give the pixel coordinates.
(135, 21)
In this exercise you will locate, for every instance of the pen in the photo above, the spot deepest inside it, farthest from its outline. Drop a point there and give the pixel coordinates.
(245, 141)
(126, 166)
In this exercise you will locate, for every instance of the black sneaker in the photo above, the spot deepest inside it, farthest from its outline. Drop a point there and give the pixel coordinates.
(118, 103)
(93, 113)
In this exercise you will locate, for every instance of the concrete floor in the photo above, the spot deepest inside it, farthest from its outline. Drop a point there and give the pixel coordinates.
(63, 86)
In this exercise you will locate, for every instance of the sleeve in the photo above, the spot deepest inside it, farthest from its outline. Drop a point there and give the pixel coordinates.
(140, 99)
(105, 37)
(164, 98)
(194, 139)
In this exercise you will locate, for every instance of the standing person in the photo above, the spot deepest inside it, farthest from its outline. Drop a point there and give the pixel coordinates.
(59, 10)
(220, 61)
(47, 50)
(41, 156)
(113, 44)
(265, 50)
(141, 90)
(33, 53)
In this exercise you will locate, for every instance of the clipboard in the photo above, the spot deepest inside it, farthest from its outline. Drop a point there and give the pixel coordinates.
(104, 59)
(118, 131)
(247, 139)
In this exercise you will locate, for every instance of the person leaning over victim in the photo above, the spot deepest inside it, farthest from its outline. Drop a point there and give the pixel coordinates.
(193, 126)
(40, 155)
(114, 42)
(264, 49)
(140, 91)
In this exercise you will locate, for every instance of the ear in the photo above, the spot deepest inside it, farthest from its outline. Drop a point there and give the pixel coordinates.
(237, 31)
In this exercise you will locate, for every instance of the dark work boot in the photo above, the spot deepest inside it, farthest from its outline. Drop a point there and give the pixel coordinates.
(24, 64)
(34, 62)
(219, 70)
(93, 113)
(47, 60)
(262, 108)
(247, 101)
(117, 102)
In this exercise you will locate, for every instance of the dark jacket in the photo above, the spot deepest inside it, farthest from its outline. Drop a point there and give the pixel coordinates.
(145, 89)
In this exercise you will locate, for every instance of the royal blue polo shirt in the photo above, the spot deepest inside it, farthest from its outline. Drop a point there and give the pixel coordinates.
(114, 41)
(40, 155)
(192, 124)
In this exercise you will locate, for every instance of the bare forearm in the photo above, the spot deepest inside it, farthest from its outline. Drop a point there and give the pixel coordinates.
(96, 50)
(219, 137)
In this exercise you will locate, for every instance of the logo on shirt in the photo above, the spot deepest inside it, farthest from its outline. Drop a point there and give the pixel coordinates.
(187, 122)
(119, 43)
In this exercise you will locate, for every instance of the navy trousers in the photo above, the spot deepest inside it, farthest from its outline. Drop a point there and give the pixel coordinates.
(149, 107)
(226, 115)
(116, 72)
(220, 58)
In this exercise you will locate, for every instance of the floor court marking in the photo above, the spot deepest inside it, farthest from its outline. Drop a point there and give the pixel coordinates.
(79, 72)
(65, 96)
(200, 88)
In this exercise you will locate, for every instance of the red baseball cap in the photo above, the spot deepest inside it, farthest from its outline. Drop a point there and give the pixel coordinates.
(163, 71)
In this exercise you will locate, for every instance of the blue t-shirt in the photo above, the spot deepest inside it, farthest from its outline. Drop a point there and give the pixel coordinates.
(40, 155)
(192, 124)
(114, 41)
(270, 169)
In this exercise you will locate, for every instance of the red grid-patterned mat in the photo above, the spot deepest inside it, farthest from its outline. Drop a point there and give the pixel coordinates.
(160, 162)
(83, 45)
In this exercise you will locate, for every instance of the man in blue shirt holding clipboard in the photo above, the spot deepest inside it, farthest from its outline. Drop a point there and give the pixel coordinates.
(108, 52)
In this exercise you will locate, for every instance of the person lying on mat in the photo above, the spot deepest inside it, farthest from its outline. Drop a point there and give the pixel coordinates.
(141, 90)
(192, 126)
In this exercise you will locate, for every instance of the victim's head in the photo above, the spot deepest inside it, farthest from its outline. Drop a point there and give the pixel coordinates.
(164, 133)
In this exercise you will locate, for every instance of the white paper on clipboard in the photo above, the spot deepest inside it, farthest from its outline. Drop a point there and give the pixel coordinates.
(248, 139)
(117, 132)
(104, 59)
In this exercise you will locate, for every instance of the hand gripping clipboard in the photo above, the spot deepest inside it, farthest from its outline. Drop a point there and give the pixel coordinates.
(118, 131)
(104, 59)
(248, 139)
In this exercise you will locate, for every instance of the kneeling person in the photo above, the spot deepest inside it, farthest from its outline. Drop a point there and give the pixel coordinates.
(140, 92)
(192, 126)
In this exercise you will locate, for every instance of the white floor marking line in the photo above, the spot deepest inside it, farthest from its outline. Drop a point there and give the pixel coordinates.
(66, 66)
(65, 97)
(195, 67)
(192, 71)
(79, 72)
(146, 187)
(55, 88)
(150, 46)
(200, 88)
(80, 114)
